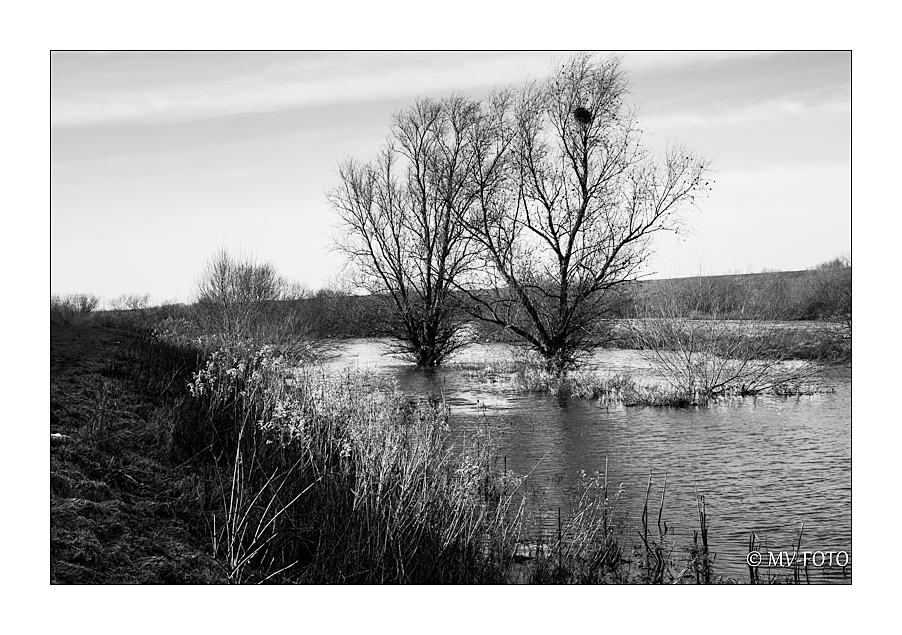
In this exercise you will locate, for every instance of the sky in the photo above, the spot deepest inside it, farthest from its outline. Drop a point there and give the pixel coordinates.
(159, 159)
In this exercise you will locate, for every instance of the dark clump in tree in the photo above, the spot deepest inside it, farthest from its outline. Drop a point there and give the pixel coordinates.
(582, 115)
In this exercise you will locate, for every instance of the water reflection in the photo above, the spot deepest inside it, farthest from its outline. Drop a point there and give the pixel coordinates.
(764, 465)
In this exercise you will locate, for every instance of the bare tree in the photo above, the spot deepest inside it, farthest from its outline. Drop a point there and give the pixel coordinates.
(568, 200)
(236, 297)
(399, 213)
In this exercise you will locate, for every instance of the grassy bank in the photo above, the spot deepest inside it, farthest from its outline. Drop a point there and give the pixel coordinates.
(121, 511)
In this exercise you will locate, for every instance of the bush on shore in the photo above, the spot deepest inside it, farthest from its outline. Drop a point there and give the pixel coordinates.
(72, 309)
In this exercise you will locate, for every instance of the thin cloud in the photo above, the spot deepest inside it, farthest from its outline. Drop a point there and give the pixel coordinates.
(640, 61)
(281, 86)
(775, 110)
(745, 178)
(169, 87)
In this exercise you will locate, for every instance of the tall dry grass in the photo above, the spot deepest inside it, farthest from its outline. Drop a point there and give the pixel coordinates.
(328, 478)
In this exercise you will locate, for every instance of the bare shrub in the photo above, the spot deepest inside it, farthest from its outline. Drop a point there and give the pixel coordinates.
(72, 309)
(708, 358)
(131, 302)
(240, 298)
(131, 310)
(832, 290)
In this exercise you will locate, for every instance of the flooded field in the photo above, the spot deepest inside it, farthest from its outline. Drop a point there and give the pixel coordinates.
(764, 465)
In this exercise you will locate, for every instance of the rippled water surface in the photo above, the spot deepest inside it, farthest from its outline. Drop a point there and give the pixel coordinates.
(764, 465)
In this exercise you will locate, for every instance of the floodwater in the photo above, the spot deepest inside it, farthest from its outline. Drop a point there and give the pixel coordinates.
(764, 465)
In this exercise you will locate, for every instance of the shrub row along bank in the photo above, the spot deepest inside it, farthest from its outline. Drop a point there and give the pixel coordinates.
(822, 293)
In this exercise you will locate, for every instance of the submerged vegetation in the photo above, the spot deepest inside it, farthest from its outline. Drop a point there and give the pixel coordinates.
(526, 373)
